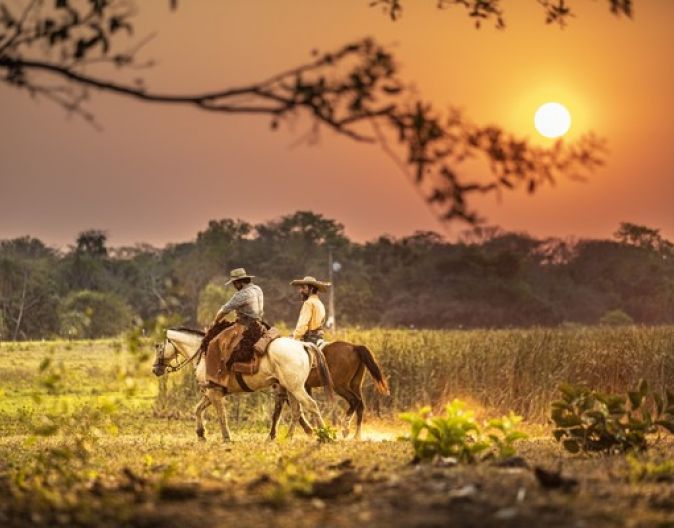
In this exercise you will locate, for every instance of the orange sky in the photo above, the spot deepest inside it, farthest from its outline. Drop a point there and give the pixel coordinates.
(157, 173)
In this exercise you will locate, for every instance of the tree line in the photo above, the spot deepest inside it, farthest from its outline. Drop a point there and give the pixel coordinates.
(488, 278)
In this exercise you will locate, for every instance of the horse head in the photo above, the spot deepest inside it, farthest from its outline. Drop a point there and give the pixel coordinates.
(179, 342)
(164, 353)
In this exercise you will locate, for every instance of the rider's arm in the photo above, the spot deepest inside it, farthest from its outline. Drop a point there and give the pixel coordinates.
(234, 303)
(303, 321)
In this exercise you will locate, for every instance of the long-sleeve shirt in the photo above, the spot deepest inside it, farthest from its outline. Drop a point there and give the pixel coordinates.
(248, 303)
(311, 317)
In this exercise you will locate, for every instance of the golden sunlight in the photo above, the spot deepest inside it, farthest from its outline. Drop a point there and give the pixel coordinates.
(552, 120)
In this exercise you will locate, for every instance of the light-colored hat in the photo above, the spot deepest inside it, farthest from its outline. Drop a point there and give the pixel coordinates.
(311, 281)
(238, 274)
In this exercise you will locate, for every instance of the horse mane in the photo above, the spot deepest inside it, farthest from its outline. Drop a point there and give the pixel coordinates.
(186, 330)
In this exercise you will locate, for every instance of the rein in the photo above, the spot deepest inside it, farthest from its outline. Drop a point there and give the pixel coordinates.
(174, 368)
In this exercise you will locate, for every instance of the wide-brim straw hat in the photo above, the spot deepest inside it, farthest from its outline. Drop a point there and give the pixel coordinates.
(238, 274)
(311, 281)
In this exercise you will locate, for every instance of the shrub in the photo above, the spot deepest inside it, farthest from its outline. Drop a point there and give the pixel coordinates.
(589, 421)
(646, 470)
(458, 435)
(91, 314)
(615, 318)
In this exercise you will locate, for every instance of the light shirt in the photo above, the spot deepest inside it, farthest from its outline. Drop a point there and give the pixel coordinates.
(311, 317)
(248, 303)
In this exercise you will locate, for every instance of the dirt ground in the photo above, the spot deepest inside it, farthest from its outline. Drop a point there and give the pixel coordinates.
(373, 483)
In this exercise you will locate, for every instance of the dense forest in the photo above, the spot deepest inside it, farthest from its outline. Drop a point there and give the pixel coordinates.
(488, 278)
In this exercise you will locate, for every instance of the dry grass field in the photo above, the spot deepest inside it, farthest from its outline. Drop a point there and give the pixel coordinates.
(91, 438)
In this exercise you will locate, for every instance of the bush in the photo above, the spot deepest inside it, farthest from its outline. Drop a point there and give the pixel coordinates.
(615, 318)
(458, 434)
(89, 314)
(589, 421)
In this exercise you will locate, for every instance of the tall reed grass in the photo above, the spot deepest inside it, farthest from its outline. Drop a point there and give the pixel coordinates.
(500, 370)
(517, 370)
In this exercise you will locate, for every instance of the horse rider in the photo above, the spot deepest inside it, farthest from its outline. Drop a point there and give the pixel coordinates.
(248, 303)
(312, 315)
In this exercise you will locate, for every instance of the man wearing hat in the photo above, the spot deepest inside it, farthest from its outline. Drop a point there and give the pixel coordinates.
(248, 303)
(312, 316)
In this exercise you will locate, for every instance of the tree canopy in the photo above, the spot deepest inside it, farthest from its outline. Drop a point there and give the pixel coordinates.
(489, 278)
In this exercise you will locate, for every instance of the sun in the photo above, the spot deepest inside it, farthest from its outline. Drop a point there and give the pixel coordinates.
(552, 120)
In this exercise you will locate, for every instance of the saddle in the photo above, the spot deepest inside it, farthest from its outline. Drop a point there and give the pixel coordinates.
(212, 332)
(219, 349)
(246, 358)
(247, 346)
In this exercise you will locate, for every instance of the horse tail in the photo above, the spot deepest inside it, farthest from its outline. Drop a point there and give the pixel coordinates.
(324, 373)
(373, 367)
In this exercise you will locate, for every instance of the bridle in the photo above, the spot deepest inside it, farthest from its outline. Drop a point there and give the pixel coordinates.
(168, 366)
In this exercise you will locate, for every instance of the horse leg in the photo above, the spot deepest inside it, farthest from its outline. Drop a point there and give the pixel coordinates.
(295, 412)
(356, 390)
(204, 402)
(360, 410)
(298, 417)
(306, 426)
(308, 403)
(350, 399)
(280, 397)
(218, 400)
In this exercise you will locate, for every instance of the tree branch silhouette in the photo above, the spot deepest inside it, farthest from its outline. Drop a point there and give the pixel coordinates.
(555, 11)
(345, 90)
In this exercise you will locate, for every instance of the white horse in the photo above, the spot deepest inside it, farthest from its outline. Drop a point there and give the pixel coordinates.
(287, 363)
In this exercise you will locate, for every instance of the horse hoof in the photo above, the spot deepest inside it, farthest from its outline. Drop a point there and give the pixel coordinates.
(345, 433)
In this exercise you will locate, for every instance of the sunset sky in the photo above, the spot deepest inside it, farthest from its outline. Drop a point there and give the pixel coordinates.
(158, 173)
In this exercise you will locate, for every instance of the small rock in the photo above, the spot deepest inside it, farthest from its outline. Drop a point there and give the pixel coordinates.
(318, 503)
(463, 493)
(342, 484)
(440, 461)
(554, 479)
(505, 514)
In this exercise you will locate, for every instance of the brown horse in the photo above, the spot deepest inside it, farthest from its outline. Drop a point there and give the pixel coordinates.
(347, 364)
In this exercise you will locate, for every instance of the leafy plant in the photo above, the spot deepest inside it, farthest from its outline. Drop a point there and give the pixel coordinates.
(504, 434)
(326, 434)
(458, 435)
(647, 470)
(590, 421)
